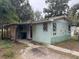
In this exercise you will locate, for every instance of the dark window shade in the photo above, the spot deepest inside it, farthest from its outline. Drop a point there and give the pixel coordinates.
(45, 26)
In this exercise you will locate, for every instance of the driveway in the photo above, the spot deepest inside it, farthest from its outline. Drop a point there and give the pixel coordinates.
(41, 53)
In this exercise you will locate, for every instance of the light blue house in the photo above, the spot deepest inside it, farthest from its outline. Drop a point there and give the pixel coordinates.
(53, 30)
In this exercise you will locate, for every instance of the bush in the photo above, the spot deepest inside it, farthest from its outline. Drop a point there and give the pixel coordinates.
(8, 54)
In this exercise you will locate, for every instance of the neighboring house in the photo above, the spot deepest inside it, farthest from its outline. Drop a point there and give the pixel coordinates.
(53, 30)
(74, 30)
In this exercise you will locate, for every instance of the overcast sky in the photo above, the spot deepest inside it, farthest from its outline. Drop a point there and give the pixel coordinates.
(40, 4)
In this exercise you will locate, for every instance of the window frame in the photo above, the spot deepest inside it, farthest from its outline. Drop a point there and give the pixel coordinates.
(45, 26)
(54, 28)
(69, 28)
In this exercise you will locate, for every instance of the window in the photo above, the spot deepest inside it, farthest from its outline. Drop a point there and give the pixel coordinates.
(54, 33)
(54, 28)
(69, 28)
(45, 26)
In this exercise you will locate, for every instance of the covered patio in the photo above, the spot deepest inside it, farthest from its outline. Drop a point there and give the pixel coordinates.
(18, 31)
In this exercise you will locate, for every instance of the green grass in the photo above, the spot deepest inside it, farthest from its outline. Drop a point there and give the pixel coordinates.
(8, 54)
(5, 44)
(9, 49)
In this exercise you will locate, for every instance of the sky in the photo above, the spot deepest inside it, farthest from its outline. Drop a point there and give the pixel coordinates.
(38, 5)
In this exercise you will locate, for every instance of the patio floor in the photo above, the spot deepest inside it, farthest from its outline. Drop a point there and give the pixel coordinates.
(71, 44)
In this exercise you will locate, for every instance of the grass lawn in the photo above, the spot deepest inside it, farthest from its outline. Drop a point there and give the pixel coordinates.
(9, 49)
(71, 44)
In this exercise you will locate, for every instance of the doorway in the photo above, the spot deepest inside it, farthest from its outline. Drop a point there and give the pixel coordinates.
(24, 31)
(23, 35)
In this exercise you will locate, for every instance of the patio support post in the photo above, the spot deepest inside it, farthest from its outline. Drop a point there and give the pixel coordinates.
(5, 32)
(10, 33)
(2, 32)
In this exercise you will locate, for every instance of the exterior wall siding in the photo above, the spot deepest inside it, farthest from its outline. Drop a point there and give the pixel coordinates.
(42, 36)
(47, 37)
(62, 32)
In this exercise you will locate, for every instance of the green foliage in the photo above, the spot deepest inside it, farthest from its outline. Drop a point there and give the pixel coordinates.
(10, 49)
(23, 10)
(14, 11)
(56, 7)
(5, 44)
(73, 14)
(7, 12)
(38, 16)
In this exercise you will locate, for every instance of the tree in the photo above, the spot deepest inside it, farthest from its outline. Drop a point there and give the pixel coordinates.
(23, 9)
(37, 16)
(56, 7)
(7, 12)
(74, 14)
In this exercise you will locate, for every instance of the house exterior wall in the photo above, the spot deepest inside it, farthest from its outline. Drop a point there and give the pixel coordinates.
(62, 32)
(47, 37)
(41, 36)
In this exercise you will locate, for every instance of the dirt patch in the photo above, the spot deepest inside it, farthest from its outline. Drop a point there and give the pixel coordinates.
(43, 53)
(10, 49)
(71, 45)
